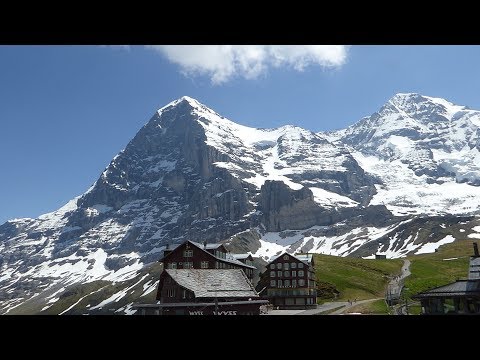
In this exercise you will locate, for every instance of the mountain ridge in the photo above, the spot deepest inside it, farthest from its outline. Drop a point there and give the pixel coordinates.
(190, 173)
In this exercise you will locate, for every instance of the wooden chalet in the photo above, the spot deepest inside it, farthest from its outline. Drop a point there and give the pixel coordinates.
(193, 255)
(289, 282)
(204, 279)
(204, 292)
(459, 297)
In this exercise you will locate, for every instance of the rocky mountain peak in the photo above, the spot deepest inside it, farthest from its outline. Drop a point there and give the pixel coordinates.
(426, 109)
(190, 173)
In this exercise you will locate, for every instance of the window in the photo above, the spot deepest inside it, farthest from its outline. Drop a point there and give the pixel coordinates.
(301, 282)
(272, 266)
(285, 257)
(172, 265)
(294, 283)
(286, 266)
(279, 266)
(279, 273)
(287, 283)
(301, 273)
(171, 292)
(294, 273)
(293, 265)
(204, 265)
(187, 265)
(273, 283)
(272, 273)
(280, 283)
(188, 253)
(184, 294)
(286, 273)
(216, 264)
(300, 265)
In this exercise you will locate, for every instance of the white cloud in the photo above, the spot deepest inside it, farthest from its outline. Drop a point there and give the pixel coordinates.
(225, 62)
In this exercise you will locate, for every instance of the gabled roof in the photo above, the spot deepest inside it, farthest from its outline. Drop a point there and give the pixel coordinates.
(210, 283)
(457, 288)
(305, 258)
(229, 258)
(241, 256)
(208, 246)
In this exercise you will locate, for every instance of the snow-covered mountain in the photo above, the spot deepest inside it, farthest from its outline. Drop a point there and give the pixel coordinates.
(189, 173)
(425, 153)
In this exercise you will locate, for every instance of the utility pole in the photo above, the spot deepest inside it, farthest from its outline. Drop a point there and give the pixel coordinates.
(216, 298)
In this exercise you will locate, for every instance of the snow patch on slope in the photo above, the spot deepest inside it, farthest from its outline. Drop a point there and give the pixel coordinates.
(431, 247)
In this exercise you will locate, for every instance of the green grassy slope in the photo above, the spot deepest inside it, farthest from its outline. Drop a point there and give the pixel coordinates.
(353, 277)
(431, 270)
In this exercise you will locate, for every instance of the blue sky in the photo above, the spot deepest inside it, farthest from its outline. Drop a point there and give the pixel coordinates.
(65, 111)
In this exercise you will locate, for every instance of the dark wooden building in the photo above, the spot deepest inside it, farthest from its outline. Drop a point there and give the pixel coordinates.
(205, 292)
(244, 258)
(289, 281)
(193, 255)
(459, 297)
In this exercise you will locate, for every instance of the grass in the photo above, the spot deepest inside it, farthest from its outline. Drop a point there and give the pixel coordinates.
(355, 278)
(431, 270)
(377, 307)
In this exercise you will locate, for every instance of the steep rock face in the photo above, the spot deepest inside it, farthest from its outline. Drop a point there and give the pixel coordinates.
(285, 208)
(190, 173)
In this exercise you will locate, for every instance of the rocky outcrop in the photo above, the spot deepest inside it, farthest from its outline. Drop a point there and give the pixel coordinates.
(189, 173)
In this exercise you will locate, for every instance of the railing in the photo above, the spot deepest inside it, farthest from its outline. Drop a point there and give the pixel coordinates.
(291, 292)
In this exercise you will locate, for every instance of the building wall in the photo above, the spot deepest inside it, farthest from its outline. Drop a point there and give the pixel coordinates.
(451, 305)
(177, 259)
(283, 280)
(170, 292)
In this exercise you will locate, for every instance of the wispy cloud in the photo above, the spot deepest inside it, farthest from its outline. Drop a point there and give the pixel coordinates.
(225, 62)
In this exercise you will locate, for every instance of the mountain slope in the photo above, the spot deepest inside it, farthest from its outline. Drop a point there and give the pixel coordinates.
(190, 173)
(424, 152)
(187, 174)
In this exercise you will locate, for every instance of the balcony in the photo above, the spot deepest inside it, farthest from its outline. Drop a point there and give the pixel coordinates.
(291, 292)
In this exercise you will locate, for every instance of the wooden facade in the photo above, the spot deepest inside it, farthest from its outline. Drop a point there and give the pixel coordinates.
(289, 282)
(205, 292)
(193, 255)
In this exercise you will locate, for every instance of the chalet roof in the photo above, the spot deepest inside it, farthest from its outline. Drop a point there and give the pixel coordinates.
(231, 282)
(229, 258)
(208, 246)
(305, 258)
(474, 268)
(241, 256)
(457, 288)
